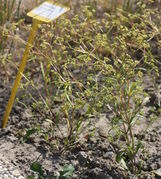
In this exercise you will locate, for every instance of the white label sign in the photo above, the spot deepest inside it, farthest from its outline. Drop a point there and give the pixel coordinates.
(47, 12)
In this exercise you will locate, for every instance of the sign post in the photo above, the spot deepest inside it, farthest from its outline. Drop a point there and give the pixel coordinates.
(45, 13)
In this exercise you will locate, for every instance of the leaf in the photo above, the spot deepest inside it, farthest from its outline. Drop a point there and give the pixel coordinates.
(119, 156)
(130, 151)
(36, 167)
(132, 88)
(29, 133)
(42, 70)
(31, 177)
(68, 98)
(67, 172)
(120, 159)
(124, 164)
(157, 172)
(139, 145)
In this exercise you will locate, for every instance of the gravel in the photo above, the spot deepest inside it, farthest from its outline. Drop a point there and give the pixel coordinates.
(8, 171)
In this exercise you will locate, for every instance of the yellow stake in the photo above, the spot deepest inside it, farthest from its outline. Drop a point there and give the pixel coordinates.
(20, 72)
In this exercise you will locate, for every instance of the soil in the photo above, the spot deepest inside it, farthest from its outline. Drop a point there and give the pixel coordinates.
(92, 158)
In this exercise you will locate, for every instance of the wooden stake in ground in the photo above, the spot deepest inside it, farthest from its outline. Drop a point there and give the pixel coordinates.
(45, 13)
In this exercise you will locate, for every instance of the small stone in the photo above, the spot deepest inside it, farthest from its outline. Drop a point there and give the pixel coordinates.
(21, 177)
(4, 169)
(16, 173)
(108, 155)
(6, 176)
(82, 157)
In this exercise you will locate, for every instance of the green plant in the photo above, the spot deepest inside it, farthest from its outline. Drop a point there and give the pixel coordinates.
(36, 167)
(65, 173)
(27, 133)
(97, 65)
(127, 108)
(128, 5)
(6, 9)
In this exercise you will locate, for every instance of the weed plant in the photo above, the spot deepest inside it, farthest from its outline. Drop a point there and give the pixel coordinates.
(8, 10)
(92, 64)
(66, 173)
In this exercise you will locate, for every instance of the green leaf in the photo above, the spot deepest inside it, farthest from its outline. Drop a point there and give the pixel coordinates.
(138, 146)
(36, 167)
(132, 88)
(67, 172)
(130, 151)
(124, 164)
(31, 177)
(29, 133)
(119, 156)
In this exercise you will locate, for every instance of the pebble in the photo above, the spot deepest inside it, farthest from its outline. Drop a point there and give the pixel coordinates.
(108, 155)
(16, 173)
(82, 158)
(7, 171)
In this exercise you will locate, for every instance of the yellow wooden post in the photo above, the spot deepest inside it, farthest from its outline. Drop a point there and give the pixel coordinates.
(19, 74)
